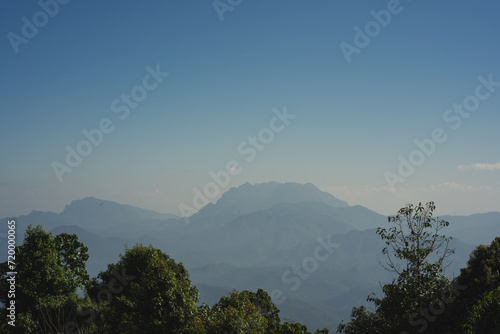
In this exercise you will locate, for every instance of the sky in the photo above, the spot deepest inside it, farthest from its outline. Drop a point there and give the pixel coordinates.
(380, 103)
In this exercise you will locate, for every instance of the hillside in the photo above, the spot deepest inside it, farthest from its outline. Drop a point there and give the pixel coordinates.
(253, 237)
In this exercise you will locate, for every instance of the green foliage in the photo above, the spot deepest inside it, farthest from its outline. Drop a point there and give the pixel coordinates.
(477, 309)
(417, 253)
(484, 316)
(147, 292)
(483, 268)
(363, 321)
(246, 312)
(421, 299)
(410, 244)
(296, 328)
(50, 270)
(242, 312)
(144, 292)
(292, 328)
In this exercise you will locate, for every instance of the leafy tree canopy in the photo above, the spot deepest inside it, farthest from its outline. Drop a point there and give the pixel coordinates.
(417, 253)
(146, 292)
(50, 270)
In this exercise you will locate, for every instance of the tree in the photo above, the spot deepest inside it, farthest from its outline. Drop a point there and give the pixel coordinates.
(296, 328)
(248, 312)
(484, 315)
(483, 269)
(158, 296)
(242, 312)
(482, 297)
(144, 292)
(50, 270)
(476, 308)
(417, 253)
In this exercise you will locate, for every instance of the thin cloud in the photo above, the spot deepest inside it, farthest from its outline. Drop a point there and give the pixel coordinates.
(456, 187)
(495, 166)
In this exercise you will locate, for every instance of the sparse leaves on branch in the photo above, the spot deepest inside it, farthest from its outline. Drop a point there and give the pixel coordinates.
(418, 254)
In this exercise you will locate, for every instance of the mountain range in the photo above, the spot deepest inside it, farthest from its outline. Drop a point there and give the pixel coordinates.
(316, 255)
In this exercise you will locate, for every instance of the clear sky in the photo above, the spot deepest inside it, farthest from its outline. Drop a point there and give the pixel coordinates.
(364, 80)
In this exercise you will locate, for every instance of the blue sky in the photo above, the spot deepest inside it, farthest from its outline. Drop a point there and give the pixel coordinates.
(353, 119)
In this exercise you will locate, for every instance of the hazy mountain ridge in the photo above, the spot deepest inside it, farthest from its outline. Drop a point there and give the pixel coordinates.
(250, 239)
(248, 198)
(99, 216)
(487, 226)
(109, 208)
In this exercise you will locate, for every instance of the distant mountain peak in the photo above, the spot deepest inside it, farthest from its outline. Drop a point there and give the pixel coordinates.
(88, 201)
(248, 198)
(95, 207)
